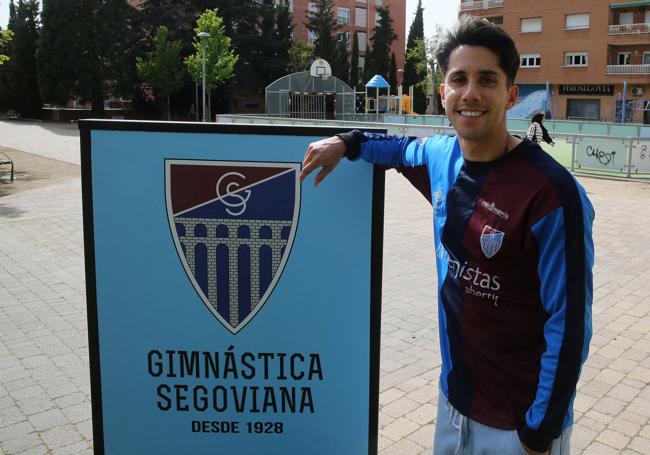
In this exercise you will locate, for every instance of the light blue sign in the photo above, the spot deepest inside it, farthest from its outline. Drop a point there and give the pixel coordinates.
(233, 310)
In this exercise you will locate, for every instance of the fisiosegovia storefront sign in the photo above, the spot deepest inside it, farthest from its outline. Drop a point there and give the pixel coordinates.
(221, 319)
(586, 89)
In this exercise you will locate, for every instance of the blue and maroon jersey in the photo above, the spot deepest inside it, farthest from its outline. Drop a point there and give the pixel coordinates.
(514, 255)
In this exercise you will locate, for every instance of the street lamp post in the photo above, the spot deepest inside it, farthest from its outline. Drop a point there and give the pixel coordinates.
(202, 36)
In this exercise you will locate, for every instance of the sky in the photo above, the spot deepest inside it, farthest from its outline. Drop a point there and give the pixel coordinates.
(435, 12)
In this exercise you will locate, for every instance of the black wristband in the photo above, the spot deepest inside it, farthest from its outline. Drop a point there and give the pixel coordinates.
(352, 141)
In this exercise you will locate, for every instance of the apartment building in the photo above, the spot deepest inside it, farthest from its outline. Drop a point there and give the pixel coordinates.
(594, 54)
(356, 16)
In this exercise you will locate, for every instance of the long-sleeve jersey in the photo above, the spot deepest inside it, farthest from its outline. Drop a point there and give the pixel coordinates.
(514, 256)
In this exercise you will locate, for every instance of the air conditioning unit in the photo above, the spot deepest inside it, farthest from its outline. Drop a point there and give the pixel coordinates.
(637, 91)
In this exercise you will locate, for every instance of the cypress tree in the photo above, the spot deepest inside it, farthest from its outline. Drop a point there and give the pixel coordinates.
(354, 63)
(411, 77)
(58, 51)
(378, 59)
(323, 23)
(22, 76)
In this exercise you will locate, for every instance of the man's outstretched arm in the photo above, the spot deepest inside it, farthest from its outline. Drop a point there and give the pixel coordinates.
(325, 154)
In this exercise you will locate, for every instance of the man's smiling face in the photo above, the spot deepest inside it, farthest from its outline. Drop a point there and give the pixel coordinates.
(476, 93)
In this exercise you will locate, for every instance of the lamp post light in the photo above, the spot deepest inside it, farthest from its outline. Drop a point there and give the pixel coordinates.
(202, 36)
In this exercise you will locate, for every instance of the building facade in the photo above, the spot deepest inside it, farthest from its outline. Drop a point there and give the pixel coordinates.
(356, 16)
(593, 54)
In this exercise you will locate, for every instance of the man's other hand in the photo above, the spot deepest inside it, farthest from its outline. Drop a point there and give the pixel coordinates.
(326, 153)
(533, 452)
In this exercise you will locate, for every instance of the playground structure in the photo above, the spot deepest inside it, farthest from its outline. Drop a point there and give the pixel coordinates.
(386, 103)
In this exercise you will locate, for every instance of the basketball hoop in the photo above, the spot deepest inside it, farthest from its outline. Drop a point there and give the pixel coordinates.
(320, 68)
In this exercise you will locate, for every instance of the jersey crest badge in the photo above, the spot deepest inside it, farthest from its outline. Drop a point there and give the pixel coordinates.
(233, 225)
(491, 240)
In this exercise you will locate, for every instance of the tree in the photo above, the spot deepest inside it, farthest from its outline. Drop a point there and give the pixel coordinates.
(5, 39)
(220, 60)
(162, 67)
(301, 54)
(428, 71)
(378, 58)
(324, 25)
(354, 63)
(411, 78)
(341, 65)
(92, 59)
(22, 77)
(392, 74)
(58, 51)
(272, 50)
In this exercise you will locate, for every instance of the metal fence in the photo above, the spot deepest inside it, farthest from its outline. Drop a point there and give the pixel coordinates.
(601, 155)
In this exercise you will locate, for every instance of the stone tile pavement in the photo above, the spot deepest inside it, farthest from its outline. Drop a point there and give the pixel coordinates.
(44, 381)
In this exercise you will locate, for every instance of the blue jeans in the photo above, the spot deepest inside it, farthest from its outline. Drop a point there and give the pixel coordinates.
(459, 435)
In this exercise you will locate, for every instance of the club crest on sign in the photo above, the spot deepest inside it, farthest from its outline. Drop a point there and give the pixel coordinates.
(233, 225)
(491, 240)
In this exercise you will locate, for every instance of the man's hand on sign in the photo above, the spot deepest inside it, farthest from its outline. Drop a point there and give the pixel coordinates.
(326, 153)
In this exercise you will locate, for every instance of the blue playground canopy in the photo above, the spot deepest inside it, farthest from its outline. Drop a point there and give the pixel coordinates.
(377, 82)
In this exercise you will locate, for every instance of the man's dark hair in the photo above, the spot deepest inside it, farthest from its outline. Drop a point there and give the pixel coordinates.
(474, 31)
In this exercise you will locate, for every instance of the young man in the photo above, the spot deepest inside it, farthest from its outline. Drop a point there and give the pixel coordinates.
(514, 256)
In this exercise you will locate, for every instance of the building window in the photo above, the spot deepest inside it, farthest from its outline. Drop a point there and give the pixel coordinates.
(362, 1)
(361, 36)
(344, 37)
(647, 16)
(312, 7)
(362, 62)
(311, 37)
(530, 60)
(291, 6)
(623, 58)
(532, 24)
(577, 109)
(380, 2)
(576, 21)
(360, 17)
(646, 58)
(625, 18)
(576, 59)
(344, 16)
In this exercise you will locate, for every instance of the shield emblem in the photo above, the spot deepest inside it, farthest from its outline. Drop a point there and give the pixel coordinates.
(491, 240)
(233, 225)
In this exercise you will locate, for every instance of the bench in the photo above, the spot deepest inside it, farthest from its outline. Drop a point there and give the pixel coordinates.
(5, 160)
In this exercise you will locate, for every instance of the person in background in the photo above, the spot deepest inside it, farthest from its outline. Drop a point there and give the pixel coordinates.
(537, 132)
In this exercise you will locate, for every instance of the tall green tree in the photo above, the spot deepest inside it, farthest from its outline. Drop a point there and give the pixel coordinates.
(341, 64)
(99, 60)
(322, 22)
(162, 68)
(220, 59)
(6, 98)
(392, 74)
(5, 39)
(378, 59)
(354, 63)
(411, 77)
(428, 71)
(301, 54)
(22, 77)
(272, 50)
(59, 51)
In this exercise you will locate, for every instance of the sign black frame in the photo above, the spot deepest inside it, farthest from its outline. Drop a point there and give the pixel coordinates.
(376, 259)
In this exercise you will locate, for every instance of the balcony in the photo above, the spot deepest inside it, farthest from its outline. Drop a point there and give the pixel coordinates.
(628, 69)
(629, 29)
(480, 4)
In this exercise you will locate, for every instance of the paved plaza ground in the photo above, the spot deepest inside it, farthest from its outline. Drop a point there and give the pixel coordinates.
(44, 378)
